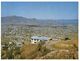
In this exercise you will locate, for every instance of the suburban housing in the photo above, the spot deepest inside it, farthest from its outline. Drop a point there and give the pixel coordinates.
(37, 39)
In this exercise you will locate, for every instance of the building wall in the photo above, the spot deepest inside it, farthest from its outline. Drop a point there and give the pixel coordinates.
(35, 41)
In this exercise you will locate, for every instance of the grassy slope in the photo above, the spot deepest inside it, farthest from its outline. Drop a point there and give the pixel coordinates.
(64, 50)
(67, 44)
(28, 50)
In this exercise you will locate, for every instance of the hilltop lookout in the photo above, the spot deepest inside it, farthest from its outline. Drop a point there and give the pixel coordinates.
(37, 39)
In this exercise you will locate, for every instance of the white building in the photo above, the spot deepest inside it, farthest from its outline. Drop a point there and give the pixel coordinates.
(37, 39)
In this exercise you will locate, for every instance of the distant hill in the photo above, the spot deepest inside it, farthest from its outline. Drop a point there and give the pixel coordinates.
(34, 21)
(17, 20)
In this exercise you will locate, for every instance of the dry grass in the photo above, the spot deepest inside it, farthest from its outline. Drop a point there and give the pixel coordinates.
(68, 44)
(28, 50)
(31, 51)
(65, 49)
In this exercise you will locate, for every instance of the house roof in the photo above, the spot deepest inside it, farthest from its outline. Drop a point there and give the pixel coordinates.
(39, 37)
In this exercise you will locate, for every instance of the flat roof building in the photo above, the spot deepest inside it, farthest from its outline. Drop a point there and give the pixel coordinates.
(37, 39)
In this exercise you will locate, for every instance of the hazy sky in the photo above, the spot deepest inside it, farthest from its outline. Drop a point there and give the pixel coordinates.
(41, 10)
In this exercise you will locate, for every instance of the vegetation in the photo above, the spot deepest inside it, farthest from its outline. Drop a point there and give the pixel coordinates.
(59, 46)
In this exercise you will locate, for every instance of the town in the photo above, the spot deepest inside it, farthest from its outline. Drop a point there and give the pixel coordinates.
(39, 30)
(17, 36)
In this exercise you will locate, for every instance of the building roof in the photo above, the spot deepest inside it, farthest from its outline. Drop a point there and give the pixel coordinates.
(39, 37)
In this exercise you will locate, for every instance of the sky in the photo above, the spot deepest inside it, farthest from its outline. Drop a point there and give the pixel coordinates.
(41, 10)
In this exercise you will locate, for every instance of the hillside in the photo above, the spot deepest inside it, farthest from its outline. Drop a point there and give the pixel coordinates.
(18, 29)
(34, 21)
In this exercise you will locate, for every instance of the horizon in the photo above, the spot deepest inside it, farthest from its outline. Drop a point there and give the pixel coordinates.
(37, 18)
(41, 10)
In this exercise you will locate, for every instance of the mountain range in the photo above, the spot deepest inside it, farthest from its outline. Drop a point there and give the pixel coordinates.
(34, 21)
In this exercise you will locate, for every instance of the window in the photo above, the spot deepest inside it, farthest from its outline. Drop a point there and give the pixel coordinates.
(34, 42)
